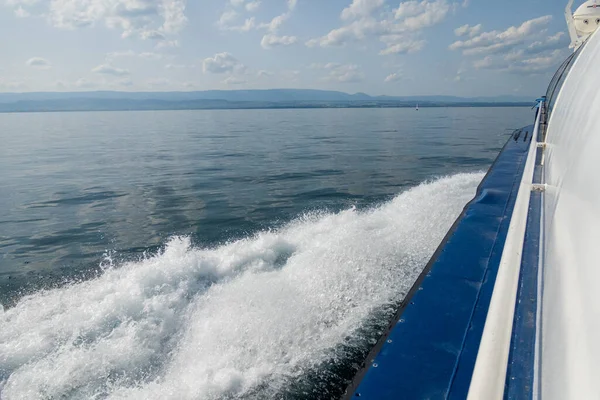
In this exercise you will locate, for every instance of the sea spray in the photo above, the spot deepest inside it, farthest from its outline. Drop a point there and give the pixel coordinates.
(246, 317)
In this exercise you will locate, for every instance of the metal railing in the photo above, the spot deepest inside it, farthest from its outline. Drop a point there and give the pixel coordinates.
(489, 375)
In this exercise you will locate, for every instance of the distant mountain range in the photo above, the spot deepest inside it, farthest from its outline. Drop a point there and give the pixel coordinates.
(230, 99)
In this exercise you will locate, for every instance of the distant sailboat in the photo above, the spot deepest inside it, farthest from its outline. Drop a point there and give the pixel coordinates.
(417, 108)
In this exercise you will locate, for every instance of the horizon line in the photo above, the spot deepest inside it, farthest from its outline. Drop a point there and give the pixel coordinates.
(257, 90)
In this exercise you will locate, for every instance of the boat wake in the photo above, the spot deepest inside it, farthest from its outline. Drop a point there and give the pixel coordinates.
(240, 320)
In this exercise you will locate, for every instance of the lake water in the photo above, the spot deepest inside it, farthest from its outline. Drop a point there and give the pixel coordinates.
(220, 254)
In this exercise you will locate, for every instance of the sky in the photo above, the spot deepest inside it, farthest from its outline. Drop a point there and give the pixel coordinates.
(379, 47)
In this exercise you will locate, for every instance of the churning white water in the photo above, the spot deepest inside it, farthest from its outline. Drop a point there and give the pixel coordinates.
(194, 323)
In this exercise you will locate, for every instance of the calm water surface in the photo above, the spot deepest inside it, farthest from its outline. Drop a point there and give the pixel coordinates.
(211, 229)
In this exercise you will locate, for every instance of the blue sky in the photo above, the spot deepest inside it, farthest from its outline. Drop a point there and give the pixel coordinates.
(393, 47)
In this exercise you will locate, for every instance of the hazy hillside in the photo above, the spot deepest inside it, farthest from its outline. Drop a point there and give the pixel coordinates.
(224, 99)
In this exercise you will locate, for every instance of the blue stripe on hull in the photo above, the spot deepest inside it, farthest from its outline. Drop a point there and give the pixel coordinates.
(430, 350)
(520, 370)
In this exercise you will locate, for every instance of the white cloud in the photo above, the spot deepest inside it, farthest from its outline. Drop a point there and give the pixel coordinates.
(356, 30)
(248, 25)
(226, 18)
(521, 63)
(147, 19)
(269, 40)
(230, 16)
(158, 82)
(263, 73)
(253, 6)
(107, 69)
(417, 15)
(115, 54)
(12, 3)
(539, 64)
(165, 44)
(398, 30)
(232, 80)
(124, 82)
(153, 35)
(543, 62)
(341, 72)
(173, 13)
(407, 9)
(131, 53)
(275, 23)
(83, 83)
(222, 63)
(516, 49)
(553, 42)
(401, 45)
(21, 12)
(250, 6)
(462, 73)
(12, 84)
(513, 55)
(39, 63)
(462, 30)
(329, 65)
(485, 62)
(496, 41)
(360, 9)
(468, 30)
(176, 66)
(393, 77)
(150, 54)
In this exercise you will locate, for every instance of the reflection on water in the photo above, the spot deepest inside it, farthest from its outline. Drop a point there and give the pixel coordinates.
(76, 185)
(220, 254)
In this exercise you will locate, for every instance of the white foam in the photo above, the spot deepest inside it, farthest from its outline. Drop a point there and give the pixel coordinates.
(206, 323)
